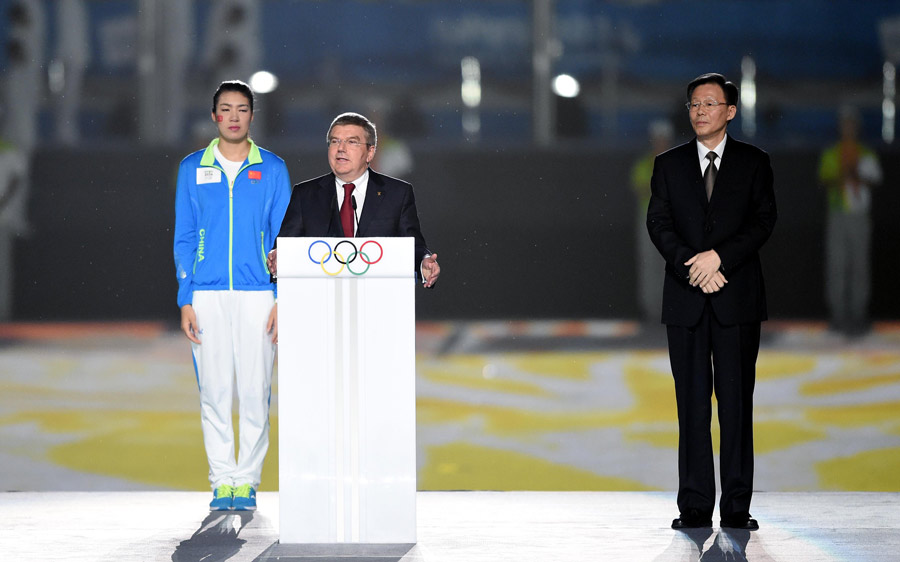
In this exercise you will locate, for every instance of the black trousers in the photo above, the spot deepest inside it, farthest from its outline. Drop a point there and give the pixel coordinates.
(705, 358)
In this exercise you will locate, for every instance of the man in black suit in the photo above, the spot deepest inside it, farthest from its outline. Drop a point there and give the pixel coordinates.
(712, 207)
(354, 200)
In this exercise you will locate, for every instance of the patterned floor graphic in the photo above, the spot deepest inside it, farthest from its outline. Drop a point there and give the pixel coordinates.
(501, 406)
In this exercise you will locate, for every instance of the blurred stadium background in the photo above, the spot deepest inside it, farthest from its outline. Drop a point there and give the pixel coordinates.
(519, 123)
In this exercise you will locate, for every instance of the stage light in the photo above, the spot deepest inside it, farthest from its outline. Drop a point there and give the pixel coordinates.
(471, 81)
(263, 82)
(470, 90)
(888, 105)
(748, 95)
(566, 86)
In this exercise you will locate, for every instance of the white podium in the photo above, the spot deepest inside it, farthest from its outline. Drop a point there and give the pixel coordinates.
(346, 390)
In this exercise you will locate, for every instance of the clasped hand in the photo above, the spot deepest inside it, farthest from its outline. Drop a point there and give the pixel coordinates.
(430, 270)
(704, 272)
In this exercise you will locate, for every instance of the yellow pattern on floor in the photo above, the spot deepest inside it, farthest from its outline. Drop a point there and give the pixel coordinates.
(120, 411)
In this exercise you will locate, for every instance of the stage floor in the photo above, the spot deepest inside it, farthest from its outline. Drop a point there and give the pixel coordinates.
(504, 405)
(453, 526)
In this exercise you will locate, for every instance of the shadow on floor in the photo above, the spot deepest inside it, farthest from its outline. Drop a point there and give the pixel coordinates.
(335, 553)
(216, 540)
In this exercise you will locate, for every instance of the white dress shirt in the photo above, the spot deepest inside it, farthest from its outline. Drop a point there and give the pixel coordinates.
(702, 151)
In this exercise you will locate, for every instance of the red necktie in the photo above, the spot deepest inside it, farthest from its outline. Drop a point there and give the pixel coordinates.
(347, 211)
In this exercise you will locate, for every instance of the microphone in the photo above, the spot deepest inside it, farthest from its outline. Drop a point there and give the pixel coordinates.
(355, 216)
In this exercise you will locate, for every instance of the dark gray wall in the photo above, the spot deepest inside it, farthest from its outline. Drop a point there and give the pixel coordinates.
(520, 234)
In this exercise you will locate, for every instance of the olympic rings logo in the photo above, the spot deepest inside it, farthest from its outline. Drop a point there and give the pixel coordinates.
(328, 253)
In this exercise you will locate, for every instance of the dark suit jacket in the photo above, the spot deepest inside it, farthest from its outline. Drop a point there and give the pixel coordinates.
(735, 222)
(389, 210)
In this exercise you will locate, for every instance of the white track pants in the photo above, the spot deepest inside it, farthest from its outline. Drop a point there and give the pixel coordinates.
(234, 348)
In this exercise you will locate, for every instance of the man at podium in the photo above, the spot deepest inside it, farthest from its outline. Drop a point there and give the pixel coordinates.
(354, 200)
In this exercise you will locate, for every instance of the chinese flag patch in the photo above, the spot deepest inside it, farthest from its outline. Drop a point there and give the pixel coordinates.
(254, 175)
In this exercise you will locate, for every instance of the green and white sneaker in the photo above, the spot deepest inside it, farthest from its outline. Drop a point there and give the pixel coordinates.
(223, 497)
(244, 498)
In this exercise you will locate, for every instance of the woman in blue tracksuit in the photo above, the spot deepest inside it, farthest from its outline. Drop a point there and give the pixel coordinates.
(229, 203)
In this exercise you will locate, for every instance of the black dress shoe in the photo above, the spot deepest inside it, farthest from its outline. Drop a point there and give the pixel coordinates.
(692, 520)
(748, 524)
(681, 523)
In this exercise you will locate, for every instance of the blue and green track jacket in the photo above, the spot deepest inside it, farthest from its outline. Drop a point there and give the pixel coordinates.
(222, 231)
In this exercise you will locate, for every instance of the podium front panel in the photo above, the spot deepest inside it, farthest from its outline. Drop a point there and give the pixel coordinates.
(346, 380)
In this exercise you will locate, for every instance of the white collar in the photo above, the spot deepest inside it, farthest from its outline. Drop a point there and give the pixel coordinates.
(702, 151)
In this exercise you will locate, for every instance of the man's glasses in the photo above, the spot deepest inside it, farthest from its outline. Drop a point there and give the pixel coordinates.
(707, 104)
(352, 143)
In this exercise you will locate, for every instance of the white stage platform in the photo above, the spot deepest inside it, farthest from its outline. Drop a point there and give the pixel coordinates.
(452, 526)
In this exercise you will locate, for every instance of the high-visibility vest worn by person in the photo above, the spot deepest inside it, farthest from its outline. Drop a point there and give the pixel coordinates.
(832, 173)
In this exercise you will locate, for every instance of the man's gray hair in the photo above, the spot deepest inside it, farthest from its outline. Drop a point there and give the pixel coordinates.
(351, 118)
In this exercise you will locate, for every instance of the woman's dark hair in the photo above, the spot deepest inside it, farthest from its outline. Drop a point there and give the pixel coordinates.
(233, 86)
